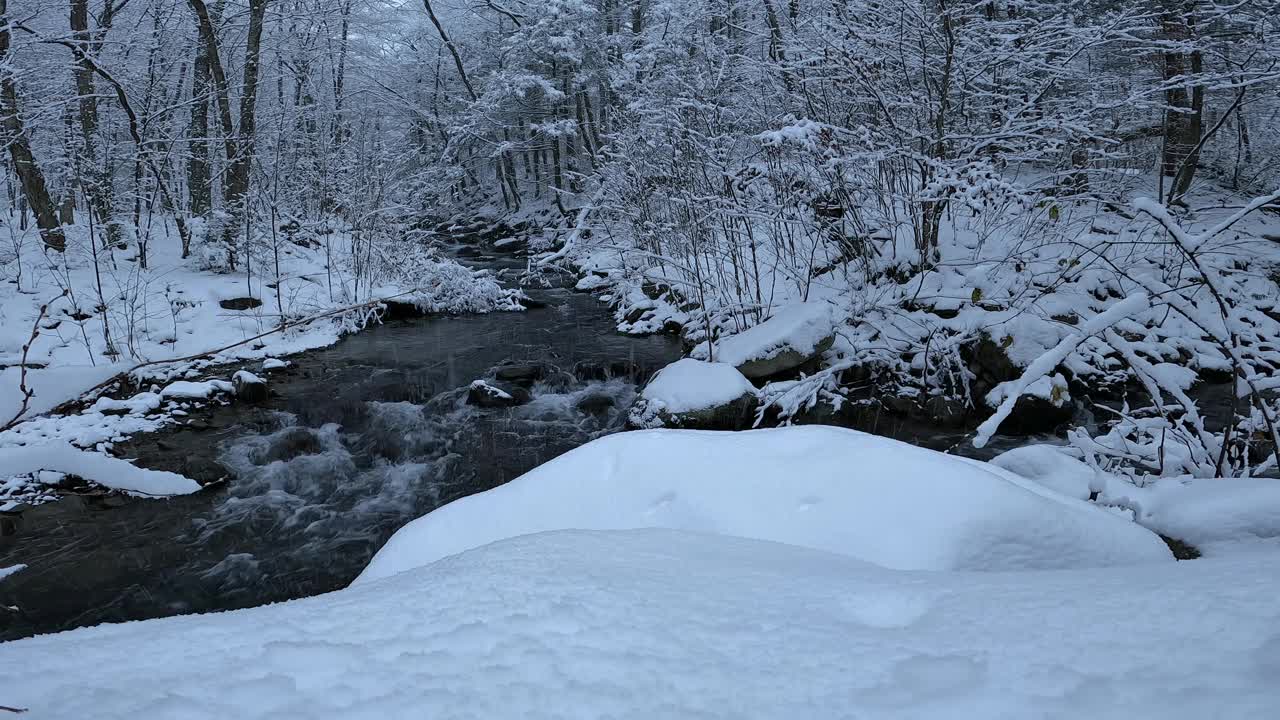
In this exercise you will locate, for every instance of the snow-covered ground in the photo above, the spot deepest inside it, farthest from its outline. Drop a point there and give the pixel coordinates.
(682, 574)
(106, 316)
(663, 623)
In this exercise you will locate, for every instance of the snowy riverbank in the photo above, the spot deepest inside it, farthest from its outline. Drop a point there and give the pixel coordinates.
(73, 321)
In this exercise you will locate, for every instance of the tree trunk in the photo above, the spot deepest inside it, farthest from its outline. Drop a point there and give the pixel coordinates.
(198, 182)
(96, 177)
(15, 136)
(1181, 131)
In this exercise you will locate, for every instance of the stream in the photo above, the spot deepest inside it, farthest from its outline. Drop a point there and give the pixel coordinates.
(358, 439)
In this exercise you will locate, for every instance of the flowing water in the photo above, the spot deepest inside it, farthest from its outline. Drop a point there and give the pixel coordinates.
(359, 439)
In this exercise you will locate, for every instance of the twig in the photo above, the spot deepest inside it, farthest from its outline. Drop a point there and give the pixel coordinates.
(26, 392)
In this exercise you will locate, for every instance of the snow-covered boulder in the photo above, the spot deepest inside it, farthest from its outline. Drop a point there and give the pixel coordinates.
(249, 387)
(793, 336)
(485, 394)
(838, 490)
(696, 395)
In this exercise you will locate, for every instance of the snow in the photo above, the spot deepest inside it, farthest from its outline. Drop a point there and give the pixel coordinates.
(800, 327)
(187, 390)
(51, 386)
(140, 404)
(245, 377)
(1216, 515)
(660, 623)
(1053, 389)
(1044, 364)
(830, 489)
(7, 571)
(275, 364)
(689, 384)
(102, 469)
(1050, 467)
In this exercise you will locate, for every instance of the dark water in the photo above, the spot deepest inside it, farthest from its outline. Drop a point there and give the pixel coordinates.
(361, 438)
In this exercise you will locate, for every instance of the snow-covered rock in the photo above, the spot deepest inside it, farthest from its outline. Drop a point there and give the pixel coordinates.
(490, 395)
(695, 394)
(826, 488)
(139, 404)
(102, 469)
(657, 623)
(275, 364)
(249, 387)
(1043, 406)
(790, 338)
(188, 390)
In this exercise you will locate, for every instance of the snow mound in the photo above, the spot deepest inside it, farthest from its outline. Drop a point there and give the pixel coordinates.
(689, 384)
(102, 469)
(826, 488)
(660, 624)
(1050, 467)
(801, 327)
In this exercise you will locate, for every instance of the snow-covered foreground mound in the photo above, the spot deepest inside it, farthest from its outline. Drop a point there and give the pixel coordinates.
(826, 488)
(659, 623)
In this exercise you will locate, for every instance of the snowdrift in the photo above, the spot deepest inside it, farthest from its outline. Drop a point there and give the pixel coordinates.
(659, 623)
(825, 488)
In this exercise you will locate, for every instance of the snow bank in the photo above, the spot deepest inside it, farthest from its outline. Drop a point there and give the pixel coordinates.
(102, 469)
(827, 488)
(801, 327)
(1217, 515)
(660, 624)
(689, 384)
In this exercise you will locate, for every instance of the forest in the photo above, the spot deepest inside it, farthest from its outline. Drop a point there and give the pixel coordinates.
(409, 297)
